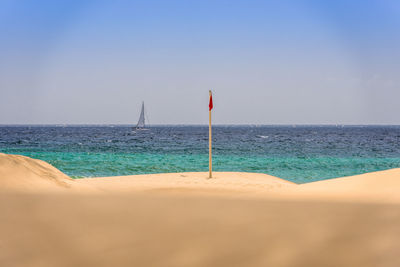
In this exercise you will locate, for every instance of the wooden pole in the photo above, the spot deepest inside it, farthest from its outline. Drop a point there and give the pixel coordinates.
(209, 143)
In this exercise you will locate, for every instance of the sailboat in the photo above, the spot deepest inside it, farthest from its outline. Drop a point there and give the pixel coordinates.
(141, 123)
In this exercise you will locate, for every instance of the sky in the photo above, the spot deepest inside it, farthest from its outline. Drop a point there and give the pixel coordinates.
(267, 62)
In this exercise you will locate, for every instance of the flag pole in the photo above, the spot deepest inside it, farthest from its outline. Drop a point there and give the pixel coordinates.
(210, 137)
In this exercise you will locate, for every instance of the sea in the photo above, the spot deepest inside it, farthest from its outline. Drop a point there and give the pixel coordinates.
(296, 153)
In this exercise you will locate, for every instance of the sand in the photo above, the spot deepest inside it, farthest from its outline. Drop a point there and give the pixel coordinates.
(185, 219)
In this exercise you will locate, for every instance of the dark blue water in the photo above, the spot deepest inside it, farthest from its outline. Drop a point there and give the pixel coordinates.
(300, 154)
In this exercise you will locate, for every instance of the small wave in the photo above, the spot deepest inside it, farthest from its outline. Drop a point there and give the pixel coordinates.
(263, 136)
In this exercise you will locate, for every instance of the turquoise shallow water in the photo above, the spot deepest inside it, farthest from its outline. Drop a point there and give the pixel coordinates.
(300, 154)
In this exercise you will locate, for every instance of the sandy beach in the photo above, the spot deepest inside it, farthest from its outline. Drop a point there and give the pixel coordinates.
(199, 133)
(185, 219)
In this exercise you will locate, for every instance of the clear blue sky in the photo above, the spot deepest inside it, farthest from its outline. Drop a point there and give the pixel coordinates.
(268, 62)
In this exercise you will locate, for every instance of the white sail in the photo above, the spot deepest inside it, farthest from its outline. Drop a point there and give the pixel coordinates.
(141, 122)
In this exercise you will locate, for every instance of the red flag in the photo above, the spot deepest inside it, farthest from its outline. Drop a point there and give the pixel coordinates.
(210, 105)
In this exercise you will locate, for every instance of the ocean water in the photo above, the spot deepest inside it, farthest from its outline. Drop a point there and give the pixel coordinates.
(299, 154)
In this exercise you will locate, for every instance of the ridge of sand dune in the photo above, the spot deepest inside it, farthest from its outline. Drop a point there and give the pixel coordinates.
(20, 173)
(381, 185)
(387, 180)
(26, 174)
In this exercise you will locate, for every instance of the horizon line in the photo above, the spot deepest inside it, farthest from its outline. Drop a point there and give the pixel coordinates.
(186, 124)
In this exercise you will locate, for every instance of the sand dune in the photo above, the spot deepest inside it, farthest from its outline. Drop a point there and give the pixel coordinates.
(375, 186)
(23, 174)
(185, 219)
(26, 174)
